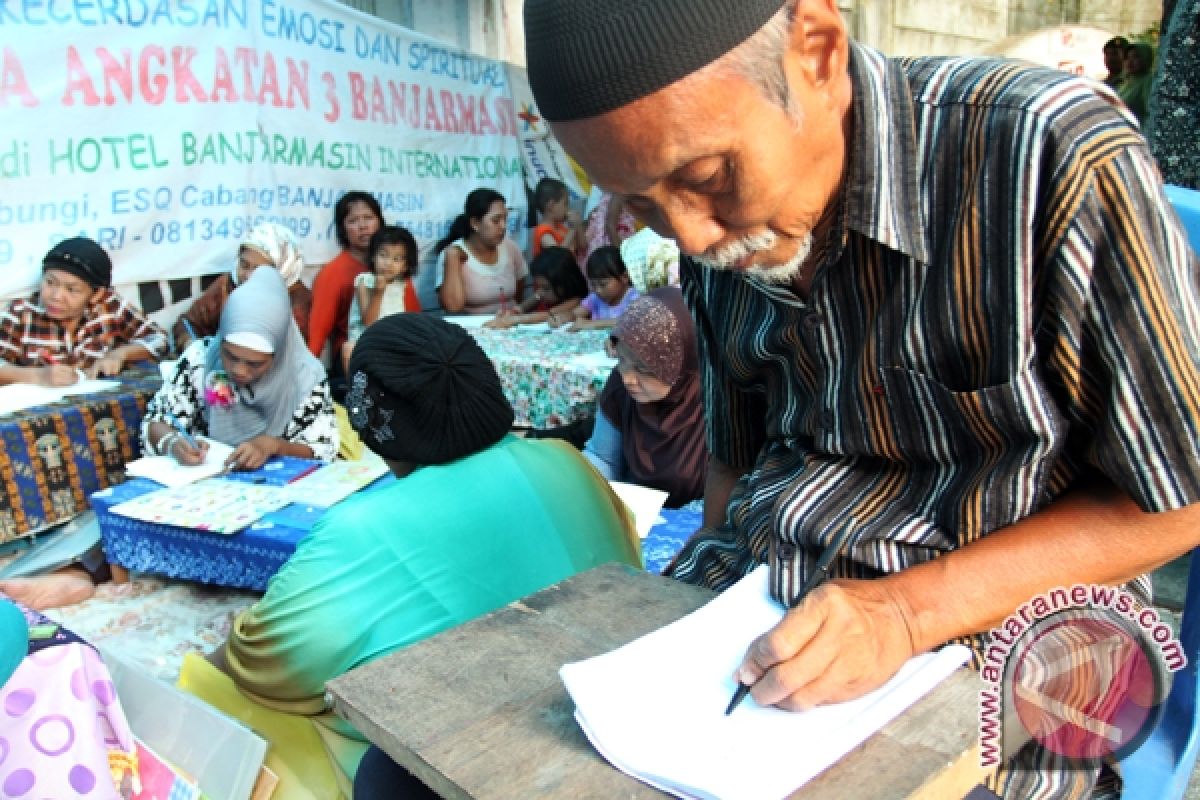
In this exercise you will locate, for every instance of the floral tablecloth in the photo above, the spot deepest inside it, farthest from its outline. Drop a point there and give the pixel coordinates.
(550, 377)
(52, 457)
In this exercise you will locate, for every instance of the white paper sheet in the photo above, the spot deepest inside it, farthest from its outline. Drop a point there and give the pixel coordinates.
(87, 386)
(21, 396)
(169, 472)
(597, 361)
(469, 321)
(644, 502)
(655, 708)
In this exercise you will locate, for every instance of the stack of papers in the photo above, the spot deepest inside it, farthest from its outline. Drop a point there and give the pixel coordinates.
(655, 708)
(169, 472)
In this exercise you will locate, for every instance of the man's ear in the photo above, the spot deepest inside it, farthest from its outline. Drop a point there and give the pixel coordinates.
(818, 46)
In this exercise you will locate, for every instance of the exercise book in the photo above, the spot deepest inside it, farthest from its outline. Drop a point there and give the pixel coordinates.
(333, 483)
(655, 708)
(169, 472)
(212, 504)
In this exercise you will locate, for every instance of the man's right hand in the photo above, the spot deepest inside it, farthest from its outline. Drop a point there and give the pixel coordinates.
(187, 455)
(57, 375)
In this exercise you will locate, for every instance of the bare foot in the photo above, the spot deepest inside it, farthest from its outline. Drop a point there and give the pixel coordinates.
(63, 588)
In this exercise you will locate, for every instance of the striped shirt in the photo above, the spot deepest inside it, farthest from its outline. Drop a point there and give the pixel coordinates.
(29, 337)
(1009, 305)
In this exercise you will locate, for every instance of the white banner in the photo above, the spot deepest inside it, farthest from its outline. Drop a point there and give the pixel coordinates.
(544, 156)
(165, 129)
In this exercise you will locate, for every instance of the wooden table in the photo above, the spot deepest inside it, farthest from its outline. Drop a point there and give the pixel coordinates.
(479, 711)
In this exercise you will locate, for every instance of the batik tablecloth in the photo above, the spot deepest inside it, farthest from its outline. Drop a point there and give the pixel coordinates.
(668, 536)
(52, 457)
(544, 377)
(248, 559)
(243, 560)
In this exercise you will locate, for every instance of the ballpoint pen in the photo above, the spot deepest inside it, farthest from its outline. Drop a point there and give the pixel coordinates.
(820, 572)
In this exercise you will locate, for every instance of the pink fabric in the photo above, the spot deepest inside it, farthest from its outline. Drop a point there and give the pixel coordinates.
(59, 718)
(596, 236)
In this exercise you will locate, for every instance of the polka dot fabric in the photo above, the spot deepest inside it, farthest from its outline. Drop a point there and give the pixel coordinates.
(59, 720)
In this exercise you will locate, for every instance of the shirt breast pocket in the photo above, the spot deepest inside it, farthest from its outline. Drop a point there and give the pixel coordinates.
(1005, 429)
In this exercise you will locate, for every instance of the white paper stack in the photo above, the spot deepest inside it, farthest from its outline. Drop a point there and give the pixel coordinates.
(655, 708)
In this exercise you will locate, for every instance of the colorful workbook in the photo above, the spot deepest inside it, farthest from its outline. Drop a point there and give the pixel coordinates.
(655, 708)
(333, 483)
(215, 505)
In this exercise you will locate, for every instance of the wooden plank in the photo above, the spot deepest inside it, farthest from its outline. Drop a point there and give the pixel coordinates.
(479, 712)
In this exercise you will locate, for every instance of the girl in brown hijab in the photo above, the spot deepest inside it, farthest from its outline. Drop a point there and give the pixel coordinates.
(650, 425)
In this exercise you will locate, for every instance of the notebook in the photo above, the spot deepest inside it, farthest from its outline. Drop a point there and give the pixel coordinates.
(169, 472)
(655, 707)
(213, 504)
(333, 483)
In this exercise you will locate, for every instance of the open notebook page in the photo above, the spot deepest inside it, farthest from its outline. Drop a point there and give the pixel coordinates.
(169, 472)
(655, 707)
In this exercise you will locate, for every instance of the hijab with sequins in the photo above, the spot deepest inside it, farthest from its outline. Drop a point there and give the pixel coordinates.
(663, 442)
(260, 309)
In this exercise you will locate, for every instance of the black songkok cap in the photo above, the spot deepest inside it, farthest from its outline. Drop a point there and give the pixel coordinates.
(82, 258)
(589, 57)
(422, 391)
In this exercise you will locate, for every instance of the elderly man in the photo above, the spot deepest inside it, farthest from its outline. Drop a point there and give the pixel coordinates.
(949, 326)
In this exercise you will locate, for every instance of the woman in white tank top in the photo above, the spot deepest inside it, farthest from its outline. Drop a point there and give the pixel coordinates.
(479, 268)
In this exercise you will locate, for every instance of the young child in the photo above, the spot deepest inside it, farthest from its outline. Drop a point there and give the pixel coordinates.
(612, 291)
(558, 226)
(558, 286)
(388, 287)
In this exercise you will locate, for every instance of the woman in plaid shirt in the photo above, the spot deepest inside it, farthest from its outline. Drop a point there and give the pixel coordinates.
(75, 325)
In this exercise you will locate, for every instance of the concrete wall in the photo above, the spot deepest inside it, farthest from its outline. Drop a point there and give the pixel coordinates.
(937, 27)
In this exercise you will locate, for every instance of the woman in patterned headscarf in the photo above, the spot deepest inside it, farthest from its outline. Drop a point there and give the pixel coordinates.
(650, 425)
(267, 245)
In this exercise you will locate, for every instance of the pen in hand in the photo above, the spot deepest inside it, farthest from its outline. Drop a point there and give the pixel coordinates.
(739, 694)
(820, 572)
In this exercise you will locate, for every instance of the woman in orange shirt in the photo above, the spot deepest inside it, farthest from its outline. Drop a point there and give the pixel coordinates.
(356, 217)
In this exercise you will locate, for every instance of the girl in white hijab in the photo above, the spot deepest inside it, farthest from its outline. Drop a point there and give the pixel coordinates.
(253, 386)
(266, 245)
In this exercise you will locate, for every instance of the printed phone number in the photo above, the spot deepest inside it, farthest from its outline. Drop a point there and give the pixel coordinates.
(205, 228)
